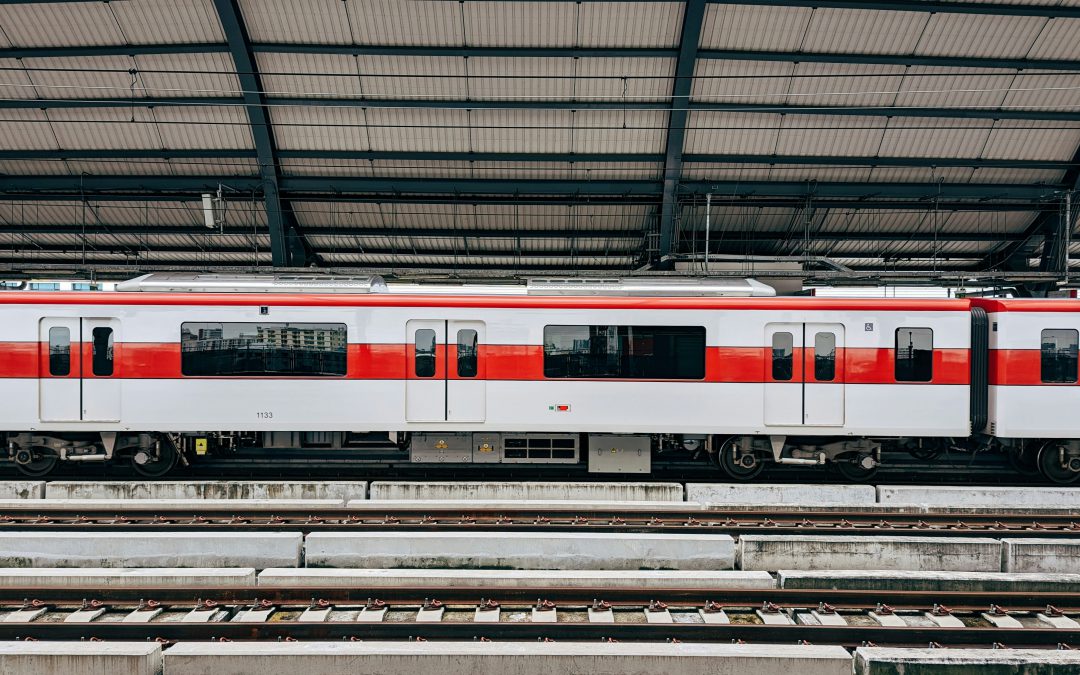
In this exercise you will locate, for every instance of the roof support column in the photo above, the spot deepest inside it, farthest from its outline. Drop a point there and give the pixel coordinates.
(693, 17)
(287, 245)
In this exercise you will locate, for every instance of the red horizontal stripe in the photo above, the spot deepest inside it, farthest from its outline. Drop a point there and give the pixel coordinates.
(1019, 368)
(142, 360)
(1027, 305)
(481, 301)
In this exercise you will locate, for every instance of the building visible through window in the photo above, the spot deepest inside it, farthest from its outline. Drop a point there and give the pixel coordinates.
(263, 349)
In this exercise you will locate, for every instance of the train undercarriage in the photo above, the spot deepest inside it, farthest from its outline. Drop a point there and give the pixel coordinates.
(741, 458)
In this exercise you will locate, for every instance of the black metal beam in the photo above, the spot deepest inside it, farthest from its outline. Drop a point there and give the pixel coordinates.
(298, 186)
(286, 243)
(693, 17)
(529, 157)
(678, 107)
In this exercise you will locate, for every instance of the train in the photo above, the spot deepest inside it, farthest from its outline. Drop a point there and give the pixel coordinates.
(604, 374)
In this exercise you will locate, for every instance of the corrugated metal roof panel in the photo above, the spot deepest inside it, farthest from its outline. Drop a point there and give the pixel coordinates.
(198, 127)
(14, 81)
(168, 21)
(231, 166)
(928, 86)
(738, 219)
(1003, 222)
(921, 174)
(104, 128)
(754, 27)
(149, 167)
(188, 74)
(326, 167)
(979, 35)
(1058, 40)
(729, 133)
(520, 130)
(524, 77)
(19, 167)
(313, 75)
(83, 77)
(384, 22)
(630, 24)
(33, 24)
(724, 81)
(25, 130)
(106, 213)
(1029, 139)
(424, 77)
(717, 171)
(1016, 176)
(647, 79)
(934, 137)
(824, 172)
(1050, 91)
(843, 84)
(320, 128)
(309, 22)
(521, 24)
(410, 168)
(864, 30)
(615, 131)
(418, 129)
(4, 42)
(830, 135)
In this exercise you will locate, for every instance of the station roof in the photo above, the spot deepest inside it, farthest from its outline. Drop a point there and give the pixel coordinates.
(539, 136)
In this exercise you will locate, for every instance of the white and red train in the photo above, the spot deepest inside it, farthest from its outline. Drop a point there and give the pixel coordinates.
(590, 376)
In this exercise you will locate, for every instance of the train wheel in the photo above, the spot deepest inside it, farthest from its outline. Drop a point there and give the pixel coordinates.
(41, 462)
(1050, 464)
(851, 468)
(145, 465)
(744, 466)
(1023, 460)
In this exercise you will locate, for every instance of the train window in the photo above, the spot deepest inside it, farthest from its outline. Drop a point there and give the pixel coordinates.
(59, 351)
(1060, 347)
(466, 353)
(825, 357)
(101, 361)
(914, 355)
(263, 349)
(783, 356)
(425, 353)
(625, 352)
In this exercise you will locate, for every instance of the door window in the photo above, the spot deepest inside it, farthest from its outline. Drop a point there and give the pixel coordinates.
(425, 353)
(825, 357)
(102, 360)
(783, 356)
(59, 351)
(466, 353)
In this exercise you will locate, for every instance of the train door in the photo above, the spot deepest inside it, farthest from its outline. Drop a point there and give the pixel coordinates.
(78, 370)
(804, 379)
(445, 378)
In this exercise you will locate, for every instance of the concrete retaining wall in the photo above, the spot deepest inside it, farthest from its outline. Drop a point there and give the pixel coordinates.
(1060, 556)
(522, 550)
(150, 549)
(1043, 497)
(501, 658)
(811, 552)
(751, 493)
(342, 491)
(887, 661)
(656, 492)
(160, 577)
(929, 581)
(68, 658)
(467, 578)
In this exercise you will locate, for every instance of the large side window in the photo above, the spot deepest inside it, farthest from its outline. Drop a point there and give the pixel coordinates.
(466, 353)
(1059, 347)
(783, 356)
(825, 357)
(59, 351)
(625, 352)
(914, 354)
(102, 355)
(263, 349)
(425, 353)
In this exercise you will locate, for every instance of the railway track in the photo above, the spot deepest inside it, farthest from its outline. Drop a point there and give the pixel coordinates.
(778, 616)
(434, 518)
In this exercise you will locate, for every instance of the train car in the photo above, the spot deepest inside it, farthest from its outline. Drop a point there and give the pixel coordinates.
(1033, 384)
(593, 374)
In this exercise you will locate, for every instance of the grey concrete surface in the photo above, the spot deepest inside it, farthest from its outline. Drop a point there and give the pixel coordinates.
(1048, 556)
(929, 581)
(186, 504)
(22, 489)
(540, 504)
(502, 658)
(223, 489)
(857, 552)
(718, 494)
(150, 549)
(493, 490)
(521, 550)
(1042, 497)
(469, 578)
(78, 658)
(892, 661)
(102, 577)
